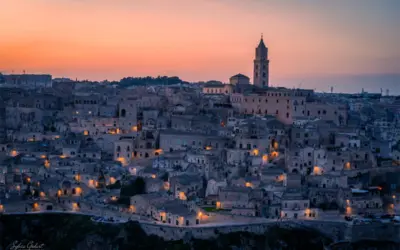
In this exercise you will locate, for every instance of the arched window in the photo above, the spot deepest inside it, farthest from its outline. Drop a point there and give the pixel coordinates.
(118, 149)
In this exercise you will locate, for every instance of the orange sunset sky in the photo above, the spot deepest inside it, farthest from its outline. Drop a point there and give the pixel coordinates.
(198, 39)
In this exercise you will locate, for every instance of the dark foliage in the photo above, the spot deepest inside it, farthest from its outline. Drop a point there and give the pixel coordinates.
(64, 231)
(116, 185)
(164, 177)
(138, 186)
(143, 81)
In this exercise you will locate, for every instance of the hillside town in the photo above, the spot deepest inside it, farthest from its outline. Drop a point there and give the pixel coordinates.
(198, 154)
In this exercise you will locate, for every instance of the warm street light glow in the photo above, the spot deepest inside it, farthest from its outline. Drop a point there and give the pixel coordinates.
(35, 207)
(122, 160)
(255, 152)
(218, 205)
(280, 178)
(166, 185)
(91, 183)
(13, 153)
(347, 166)
(274, 154)
(208, 147)
(182, 196)
(317, 170)
(62, 156)
(75, 206)
(348, 210)
(78, 177)
(85, 132)
(248, 184)
(134, 128)
(265, 158)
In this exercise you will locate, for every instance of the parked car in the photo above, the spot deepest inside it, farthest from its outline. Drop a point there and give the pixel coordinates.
(387, 216)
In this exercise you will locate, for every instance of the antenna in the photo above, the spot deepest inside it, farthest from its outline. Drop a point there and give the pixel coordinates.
(331, 89)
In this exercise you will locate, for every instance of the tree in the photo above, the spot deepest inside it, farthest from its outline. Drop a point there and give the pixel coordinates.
(28, 192)
(138, 186)
(35, 193)
(165, 177)
(116, 185)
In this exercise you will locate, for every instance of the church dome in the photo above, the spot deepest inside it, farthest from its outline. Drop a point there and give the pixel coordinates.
(240, 76)
(239, 79)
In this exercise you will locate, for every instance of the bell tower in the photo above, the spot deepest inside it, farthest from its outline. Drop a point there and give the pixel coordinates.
(261, 66)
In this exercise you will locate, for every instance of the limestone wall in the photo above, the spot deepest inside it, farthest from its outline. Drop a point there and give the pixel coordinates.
(335, 230)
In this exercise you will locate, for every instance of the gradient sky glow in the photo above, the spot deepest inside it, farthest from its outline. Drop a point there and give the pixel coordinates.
(199, 39)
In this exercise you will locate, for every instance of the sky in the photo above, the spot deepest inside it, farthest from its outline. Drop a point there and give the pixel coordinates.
(312, 43)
